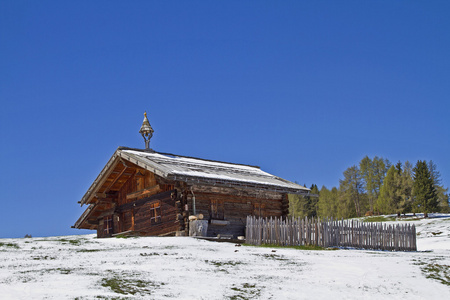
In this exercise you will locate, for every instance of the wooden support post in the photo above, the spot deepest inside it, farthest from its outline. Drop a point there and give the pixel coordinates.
(132, 219)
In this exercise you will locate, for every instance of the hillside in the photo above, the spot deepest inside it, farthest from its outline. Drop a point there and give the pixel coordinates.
(84, 267)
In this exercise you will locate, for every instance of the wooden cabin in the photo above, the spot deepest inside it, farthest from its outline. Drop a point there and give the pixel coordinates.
(143, 192)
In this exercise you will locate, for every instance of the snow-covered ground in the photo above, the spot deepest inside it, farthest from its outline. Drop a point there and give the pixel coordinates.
(84, 267)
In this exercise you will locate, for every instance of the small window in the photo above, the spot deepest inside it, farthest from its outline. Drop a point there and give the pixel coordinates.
(108, 225)
(217, 210)
(155, 212)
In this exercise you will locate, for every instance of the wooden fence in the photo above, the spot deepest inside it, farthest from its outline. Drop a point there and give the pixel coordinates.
(330, 233)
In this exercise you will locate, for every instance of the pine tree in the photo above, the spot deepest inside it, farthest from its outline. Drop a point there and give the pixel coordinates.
(312, 202)
(441, 192)
(424, 193)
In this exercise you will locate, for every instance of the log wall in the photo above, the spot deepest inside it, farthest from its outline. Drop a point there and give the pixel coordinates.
(142, 179)
(234, 210)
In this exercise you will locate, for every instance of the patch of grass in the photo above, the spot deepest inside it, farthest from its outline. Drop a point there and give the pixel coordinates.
(378, 219)
(245, 291)
(9, 245)
(122, 236)
(64, 271)
(274, 256)
(46, 257)
(67, 241)
(409, 219)
(438, 272)
(170, 247)
(305, 247)
(127, 286)
(436, 233)
(104, 297)
(42, 272)
(223, 263)
(89, 250)
(151, 254)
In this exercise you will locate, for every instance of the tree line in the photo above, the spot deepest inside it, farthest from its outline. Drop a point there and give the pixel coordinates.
(375, 186)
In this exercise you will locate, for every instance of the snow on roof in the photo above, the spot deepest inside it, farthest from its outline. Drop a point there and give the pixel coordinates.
(181, 167)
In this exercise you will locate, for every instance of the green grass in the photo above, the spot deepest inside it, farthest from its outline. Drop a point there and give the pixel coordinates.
(223, 263)
(67, 241)
(305, 247)
(64, 271)
(409, 219)
(378, 219)
(122, 236)
(433, 270)
(46, 257)
(274, 256)
(9, 245)
(89, 250)
(105, 297)
(130, 286)
(245, 291)
(438, 272)
(151, 254)
(436, 233)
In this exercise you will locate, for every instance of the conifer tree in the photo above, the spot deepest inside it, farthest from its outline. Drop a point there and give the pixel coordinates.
(312, 202)
(441, 192)
(424, 193)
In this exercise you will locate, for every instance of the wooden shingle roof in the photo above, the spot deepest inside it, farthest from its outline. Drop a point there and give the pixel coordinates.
(197, 171)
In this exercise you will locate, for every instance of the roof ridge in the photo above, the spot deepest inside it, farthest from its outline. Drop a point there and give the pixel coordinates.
(183, 156)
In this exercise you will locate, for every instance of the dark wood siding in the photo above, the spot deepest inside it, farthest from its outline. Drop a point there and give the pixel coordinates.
(144, 213)
(235, 211)
(126, 220)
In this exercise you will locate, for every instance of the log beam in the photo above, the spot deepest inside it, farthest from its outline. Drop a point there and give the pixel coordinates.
(117, 178)
(151, 190)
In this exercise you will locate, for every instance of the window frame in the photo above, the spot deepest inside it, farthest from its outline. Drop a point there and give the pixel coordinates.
(217, 209)
(258, 209)
(155, 212)
(108, 225)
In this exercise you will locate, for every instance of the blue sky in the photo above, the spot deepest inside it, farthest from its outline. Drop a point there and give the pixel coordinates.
(304, 89)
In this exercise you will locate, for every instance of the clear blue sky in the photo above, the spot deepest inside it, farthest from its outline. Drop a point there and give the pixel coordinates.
(304, 89)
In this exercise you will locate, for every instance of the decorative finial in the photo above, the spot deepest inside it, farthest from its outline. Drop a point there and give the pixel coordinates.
(146, 131)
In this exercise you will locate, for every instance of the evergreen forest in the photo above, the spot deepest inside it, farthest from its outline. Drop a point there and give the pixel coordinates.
(375, 187)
